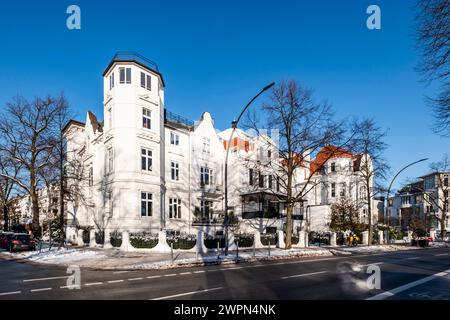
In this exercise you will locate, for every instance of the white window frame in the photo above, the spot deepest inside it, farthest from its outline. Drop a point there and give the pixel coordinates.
(174, 138)
(206, 175)
(148, 157)
(145, 204)
(174, 170)
(174, 208)
(111, 81)
(146, 118)
(206, 145)
(110, 155)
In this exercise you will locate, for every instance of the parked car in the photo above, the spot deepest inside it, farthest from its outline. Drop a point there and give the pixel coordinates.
(4, 238)
(20, 241)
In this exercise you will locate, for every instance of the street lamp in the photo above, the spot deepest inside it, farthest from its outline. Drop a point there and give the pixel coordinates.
(389, 189)
(234, 126)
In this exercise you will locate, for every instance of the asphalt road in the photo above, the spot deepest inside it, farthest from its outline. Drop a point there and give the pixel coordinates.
(414, 274)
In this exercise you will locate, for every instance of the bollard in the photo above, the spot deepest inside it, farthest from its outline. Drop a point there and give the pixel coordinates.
(269, 248)
(218, 249)
(254, 247)
(237, 250)
(171, 251)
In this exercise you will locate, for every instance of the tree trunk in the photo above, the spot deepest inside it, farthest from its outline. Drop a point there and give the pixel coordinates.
(288, 243)
(443, 230)
(35, 227)
(5, 217)
(369, 213)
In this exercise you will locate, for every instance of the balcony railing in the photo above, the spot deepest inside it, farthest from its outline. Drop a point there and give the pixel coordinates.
(174, 118)
(134, 56)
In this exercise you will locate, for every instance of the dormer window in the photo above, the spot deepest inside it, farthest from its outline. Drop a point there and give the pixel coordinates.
(125, 75)
(111, 81)
(146, 81)
(333, 167)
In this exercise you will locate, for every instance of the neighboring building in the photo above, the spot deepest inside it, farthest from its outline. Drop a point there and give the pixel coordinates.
(422, 201)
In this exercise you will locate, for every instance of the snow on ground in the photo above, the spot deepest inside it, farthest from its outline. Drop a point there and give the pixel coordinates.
(376, 248)
(61, 256)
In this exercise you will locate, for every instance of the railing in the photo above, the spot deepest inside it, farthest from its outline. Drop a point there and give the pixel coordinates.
(172, 117)
(134, 56)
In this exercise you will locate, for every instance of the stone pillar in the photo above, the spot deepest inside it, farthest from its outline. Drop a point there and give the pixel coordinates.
(410, 235)
(302, 239)
(280, 242)
(365, 237)
(257, 240)
(80, 241)
(231, 243)
(92, 238)
(125, 241)
(386, 237)
(107, 240)
(200, 245)
(380, 237)
(333, 239)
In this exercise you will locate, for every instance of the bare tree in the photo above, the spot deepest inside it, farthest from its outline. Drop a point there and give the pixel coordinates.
(434, 42)
(345, 216)
(24, 139)
(7, 186)
(368, 141)
(304, 127)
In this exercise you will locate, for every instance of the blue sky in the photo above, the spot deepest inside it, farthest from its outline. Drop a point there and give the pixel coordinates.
(215, 55)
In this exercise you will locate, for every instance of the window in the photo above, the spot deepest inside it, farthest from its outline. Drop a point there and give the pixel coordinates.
(205, 208)
(333, 190)
(278, 183)
(206, 176)
(110, 160)
(406, 200)
(342, 191)
(206, 145)
(261, 180)
(125, 75)
(269, 154)
(362, 193)
(146, 81)
(146, 159)
(109, 118)
(146, 118)
(333, 167)
(174, 208)
(175, 170)
(110, 203)
(270, 181)
(146, 204)
(111, 81)
(446, 180)
(174, 139)
(250, 177)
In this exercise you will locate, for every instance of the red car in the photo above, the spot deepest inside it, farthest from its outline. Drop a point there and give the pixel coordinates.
(4, 238)
(20, 241)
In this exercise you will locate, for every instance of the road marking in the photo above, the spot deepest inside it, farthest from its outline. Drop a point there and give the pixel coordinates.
(44, 279)
(170, 275)
(407, 286)
(441, 254)
(201, 271)
(135, 279)
(412, 258)
(70, 287)
(8, 293)
(41, 289)
(235, 268)
(371, 264)
(153, 277)
(304, 275)
(115, 281)
(93, 284)
(117, 272)
(187, 293)
(183, 273)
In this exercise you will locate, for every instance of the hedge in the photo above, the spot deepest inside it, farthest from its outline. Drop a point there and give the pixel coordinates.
(115, 239)
(143, 240)
(245, 240)
(265, 238)
(184, 242)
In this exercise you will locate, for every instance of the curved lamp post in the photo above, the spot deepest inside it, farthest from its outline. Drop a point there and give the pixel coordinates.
(234, 126)
(389, 190)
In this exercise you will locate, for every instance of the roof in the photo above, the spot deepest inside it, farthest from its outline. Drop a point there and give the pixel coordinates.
(94, 122)
(124, 56)
(329, 152)
(73, 122)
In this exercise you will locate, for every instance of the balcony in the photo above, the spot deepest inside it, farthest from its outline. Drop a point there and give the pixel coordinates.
(177, 120)
(135, 57)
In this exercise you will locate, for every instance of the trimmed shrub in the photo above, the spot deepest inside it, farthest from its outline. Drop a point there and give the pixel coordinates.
(143, 240)
(245, 240)
(211, 242)
(86, 236)
(269, 237)
(116, 238)
(100, 237)
(182, 241)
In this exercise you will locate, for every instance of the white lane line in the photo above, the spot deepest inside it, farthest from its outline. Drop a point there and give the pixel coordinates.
(187, 293)
(412, 258)
(44, 279)
(441, 254)
(115, 281)
(201, 271)
(8, 293)
(304, 275)
(407, 286)
(41, 289)
(135, 279)
(93, 284)
(71, 287)
(183, 273)
(153, 277)
(117, 272)
(234, 268)
(170, 275)
(371, 264)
